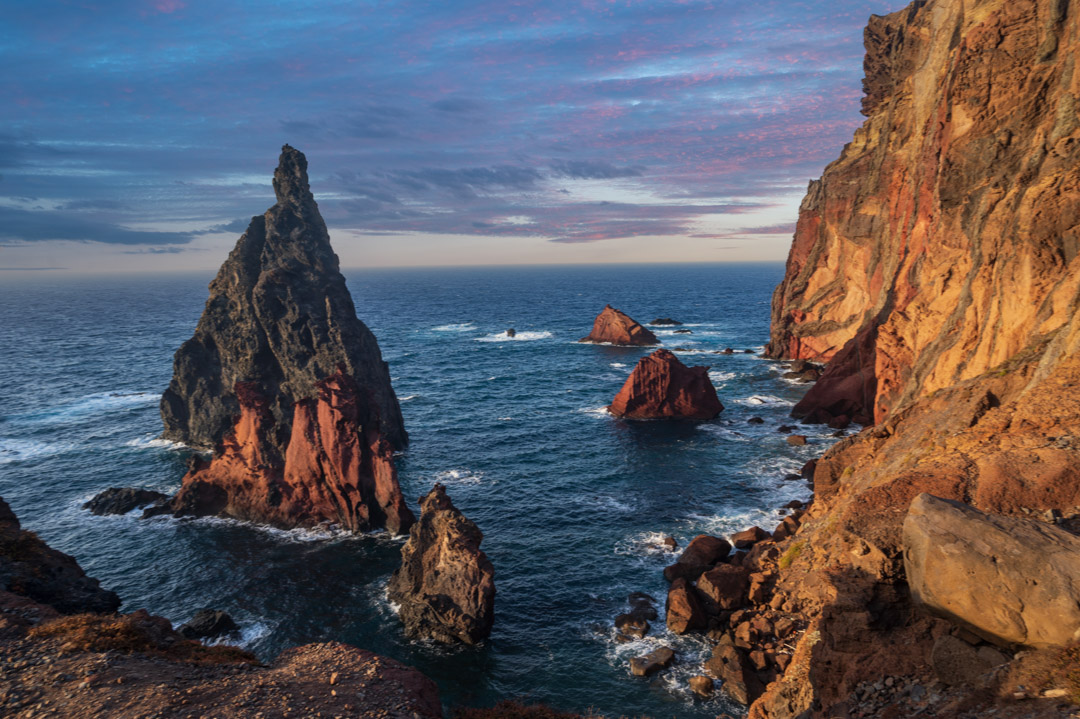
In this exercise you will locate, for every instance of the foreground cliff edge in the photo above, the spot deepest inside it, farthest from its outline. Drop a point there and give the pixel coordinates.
(935, 268)
(65, 653)
(286, 385)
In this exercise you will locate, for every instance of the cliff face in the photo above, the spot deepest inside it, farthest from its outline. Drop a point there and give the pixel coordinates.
(934, 266)
(280, 317)
(286, 384)
(944, 239)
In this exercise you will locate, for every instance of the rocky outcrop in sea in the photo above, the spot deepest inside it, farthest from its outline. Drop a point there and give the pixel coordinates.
(445, 586)
(614, 327)
(286, 385)
(662, 387)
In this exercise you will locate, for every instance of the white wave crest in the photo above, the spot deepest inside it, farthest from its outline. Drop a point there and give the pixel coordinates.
(459, 476)
(718, 376)
(21, 450)
(519, 337)
(758, 400)
(93, 404)
(596, 411)
(461, 327)
(409, 397)
(151, 441)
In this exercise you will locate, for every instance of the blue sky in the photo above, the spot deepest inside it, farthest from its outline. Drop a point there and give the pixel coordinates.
(142, 134)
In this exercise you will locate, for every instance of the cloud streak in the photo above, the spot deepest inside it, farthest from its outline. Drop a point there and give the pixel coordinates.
(573, 122)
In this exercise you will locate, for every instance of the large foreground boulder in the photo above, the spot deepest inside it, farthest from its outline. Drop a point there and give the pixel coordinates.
(286, 385)
(613, 327)
(1012, 581)
(446, 584)
(662, 387)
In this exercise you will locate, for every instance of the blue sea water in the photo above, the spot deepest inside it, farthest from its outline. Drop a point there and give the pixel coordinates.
(572, 501)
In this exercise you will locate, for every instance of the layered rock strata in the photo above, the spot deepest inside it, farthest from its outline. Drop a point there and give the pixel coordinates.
(614, 327)
(662, 387)
(445, 586)
(286, 385)
(944, 240)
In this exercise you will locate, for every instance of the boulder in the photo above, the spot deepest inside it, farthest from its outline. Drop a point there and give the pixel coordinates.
(683, 332)
(286, 385)
(653, 662)
(796, 440)
(665, 321)
(207, 624)
(684, 610)
(1012, 581)
(642, 606)
(511, 332)
(725, 586)
(702, 686)
(705, 550)
(631, 625)
(117, 500)
(662, 387)
(31, 568)
(749, 537)
(756, 420)
(731, 667)
(446, 585)
(613, 327)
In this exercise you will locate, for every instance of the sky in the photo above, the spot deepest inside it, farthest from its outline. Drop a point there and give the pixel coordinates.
(143, 134)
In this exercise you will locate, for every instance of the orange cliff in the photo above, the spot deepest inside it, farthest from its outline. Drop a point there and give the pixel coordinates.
(662, 387)
(944, 239)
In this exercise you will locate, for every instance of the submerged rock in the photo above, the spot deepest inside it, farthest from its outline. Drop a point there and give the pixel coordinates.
(614, 327)
(1011, 581)
(446, 584)
(31, 568)
(117, 500)
(653, 662)
(286, 385)
(660, 321)
(207, 624)
(662, 387)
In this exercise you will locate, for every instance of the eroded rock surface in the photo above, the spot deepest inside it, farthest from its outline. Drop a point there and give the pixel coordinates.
(614, 327)
(446, 584)
(286, 385)
(662, 387)
(944, 239)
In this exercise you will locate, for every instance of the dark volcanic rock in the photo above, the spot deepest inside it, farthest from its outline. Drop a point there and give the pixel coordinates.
(614, 327)
(662, 387)
(116, 500)
(33, 569)
(445, 585)
(659, 321)
(684, 610)
(280, 318)
(730, 665)
(208, 623)
(653, 662)
(286, 384)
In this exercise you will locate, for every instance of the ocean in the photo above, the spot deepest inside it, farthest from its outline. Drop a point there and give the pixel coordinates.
(571, 500)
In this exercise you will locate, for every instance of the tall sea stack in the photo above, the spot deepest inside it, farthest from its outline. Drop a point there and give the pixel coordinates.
(285, 384)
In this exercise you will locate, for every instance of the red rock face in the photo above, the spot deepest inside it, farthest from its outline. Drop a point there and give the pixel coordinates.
(944, 239)
(614, 327)
(334, 469)
(662, 387)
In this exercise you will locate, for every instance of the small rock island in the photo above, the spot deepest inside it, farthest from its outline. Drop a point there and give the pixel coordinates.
(662, 387)
(614, 327)
(446, 584)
